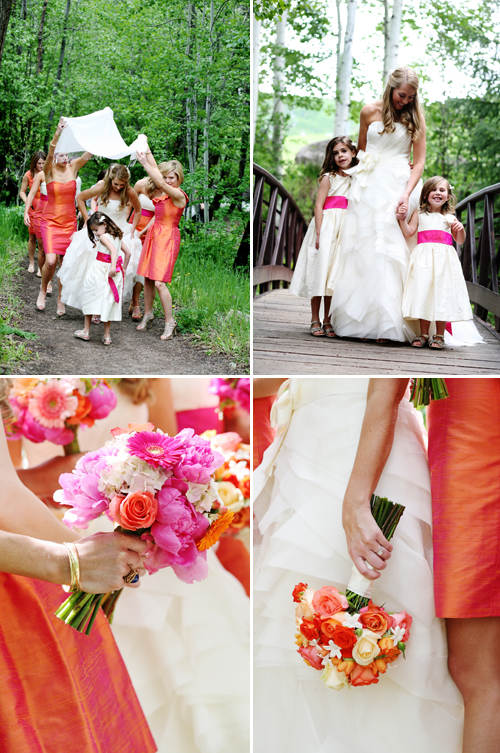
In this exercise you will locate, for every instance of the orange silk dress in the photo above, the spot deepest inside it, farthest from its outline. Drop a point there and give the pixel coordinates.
(163, 240)
(59, 218)
(61, 690)
(34, 204)
(146, 215)
(263, 433)
(38, 214)
(464, 458)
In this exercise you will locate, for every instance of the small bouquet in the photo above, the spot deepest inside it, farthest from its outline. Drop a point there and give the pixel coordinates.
(426, 389)
(347, 636)
(158, 487)
(52, 409)
(232, 393)
(232, 479)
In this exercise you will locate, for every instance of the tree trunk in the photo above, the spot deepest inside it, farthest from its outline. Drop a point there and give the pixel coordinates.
(392, 36)
(255, 74)
(342, 99)
(59, 73)
(5, 10)
(278, 105)
(39, 56)
(206, 129)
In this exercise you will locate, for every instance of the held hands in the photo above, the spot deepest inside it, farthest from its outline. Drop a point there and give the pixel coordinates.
(106, 558)
(365, 541)
(402, 207)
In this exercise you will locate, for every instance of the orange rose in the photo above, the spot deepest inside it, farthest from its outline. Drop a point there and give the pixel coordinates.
(328, 627)
(240, 520)
(327, 601)
(375, 619)
(308, 630)
(388, 651)
(362, 676)
(82, 411)
(298, 590)
(245, 486)
(137, 510)
(345, 638)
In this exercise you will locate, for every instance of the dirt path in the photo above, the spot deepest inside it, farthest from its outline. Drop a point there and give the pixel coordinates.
(131, 353)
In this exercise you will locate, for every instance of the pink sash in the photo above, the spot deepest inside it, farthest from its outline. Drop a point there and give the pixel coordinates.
(106, 258)
(335, 202)
(147, 213)
(435, 236)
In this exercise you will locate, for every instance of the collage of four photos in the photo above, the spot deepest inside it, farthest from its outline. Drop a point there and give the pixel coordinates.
(250, 376)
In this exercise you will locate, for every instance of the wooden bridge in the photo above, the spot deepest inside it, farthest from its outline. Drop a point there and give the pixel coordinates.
(282, 344)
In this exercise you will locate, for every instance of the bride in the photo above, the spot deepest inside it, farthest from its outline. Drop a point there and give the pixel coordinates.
(373, 259)
(342, 440)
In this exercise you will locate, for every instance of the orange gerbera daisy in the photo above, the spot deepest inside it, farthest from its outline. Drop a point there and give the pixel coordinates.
(214, 532)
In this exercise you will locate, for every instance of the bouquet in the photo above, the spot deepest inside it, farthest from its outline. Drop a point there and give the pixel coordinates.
(231, 392)
(232, 479)
(426, 389)
(52, 409)
(347, 636)
(158, 487)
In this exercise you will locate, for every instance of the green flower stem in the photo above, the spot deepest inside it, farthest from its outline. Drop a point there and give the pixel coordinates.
(94, 613)
(67, 606)
(426, 389)
(78, 607)
(73, 447)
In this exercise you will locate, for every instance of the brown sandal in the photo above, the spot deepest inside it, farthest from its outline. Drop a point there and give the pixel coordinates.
(436, 342)
(316, 331)
(421, 340)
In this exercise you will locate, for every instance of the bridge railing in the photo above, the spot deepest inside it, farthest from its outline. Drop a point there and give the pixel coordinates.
(478, 255)
(278, 231)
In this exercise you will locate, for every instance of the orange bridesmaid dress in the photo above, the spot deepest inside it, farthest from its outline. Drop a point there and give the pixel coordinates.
(464, 458)
(61, 690)
(263, 433)
(34, 203)
(59, 218)
(38, 214)
(163, 240)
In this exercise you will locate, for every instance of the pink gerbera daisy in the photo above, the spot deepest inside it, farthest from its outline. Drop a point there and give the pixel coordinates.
(52, 402)
(156, 449)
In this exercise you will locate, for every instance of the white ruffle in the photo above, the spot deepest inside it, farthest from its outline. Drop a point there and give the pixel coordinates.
(416, 706)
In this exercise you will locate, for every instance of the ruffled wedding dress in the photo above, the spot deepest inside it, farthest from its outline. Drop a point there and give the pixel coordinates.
(373, 254)
(415, 707)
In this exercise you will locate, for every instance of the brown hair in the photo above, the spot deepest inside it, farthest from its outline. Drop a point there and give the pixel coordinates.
(116, 172)
(99, 218)
(411, 114)
(34, 160)
(329, 165)
(429, 185)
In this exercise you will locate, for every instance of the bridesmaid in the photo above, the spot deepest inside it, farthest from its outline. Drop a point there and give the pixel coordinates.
(163, 240)
(464, 442)
(36, 166)
(59, 218)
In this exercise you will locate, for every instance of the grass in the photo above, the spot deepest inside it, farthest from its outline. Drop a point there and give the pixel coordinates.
(13, 238)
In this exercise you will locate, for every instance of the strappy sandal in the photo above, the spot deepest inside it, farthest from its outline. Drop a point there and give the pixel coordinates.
(421, 340)
(169, 331)
(147, 321)
(436, 342)
(106, 340)
(82, 335)
(328, 330)
(317, 331)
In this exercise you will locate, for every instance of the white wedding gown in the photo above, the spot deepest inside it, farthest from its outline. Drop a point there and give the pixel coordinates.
(415, 707)
(374, 255)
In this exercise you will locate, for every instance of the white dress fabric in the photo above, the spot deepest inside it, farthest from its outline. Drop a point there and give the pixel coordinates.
(98, 134)
(97, 296)
(315, 269)
(415, 707)
(373, 254)
(146, 203)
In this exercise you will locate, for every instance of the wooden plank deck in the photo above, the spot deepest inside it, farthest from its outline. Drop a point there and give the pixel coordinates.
(282, 346)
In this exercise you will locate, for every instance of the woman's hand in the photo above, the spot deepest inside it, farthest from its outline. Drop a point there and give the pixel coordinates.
(26, 218)
(142, 158)
(317, 240)
(61, 126)
(106, 558)
(365, 541)
(43, 479)
(402, 207)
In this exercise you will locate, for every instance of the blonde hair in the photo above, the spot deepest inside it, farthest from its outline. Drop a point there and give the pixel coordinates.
(6, 412)
(137, 389)
(410, 116)
(172, 166)
(116, 172)
(429, 185)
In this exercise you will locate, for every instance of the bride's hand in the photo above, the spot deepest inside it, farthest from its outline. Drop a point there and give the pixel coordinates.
(365, 541)
(402, 207)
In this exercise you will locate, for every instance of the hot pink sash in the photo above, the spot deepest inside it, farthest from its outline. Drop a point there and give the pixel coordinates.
(147, 213)
(435, 236)
(335, 202)
(119, 265)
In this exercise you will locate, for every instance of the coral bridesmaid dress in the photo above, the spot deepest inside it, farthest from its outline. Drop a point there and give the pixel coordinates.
(34, 204)
(147, 211)
(59, 218)
(61, 690)
(464, 457)
(38, 213)
(163, 240)
(263, 433)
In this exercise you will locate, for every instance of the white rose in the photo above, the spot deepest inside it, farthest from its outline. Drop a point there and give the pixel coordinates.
(366, 649)
(332, 678)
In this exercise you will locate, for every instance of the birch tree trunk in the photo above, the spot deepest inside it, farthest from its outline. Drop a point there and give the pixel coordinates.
(343, 94)
(392, 29)
(59, 72)
(39, 55)
(206, 129)
(255, 76)
(5, 10)
(278, 105)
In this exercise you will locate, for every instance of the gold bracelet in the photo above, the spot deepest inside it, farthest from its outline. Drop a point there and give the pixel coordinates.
(51, 144)
(74, 565)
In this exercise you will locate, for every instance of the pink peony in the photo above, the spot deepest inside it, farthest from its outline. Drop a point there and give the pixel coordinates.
(103, 401)
(156, 449)
(52, 402)
(242, 394)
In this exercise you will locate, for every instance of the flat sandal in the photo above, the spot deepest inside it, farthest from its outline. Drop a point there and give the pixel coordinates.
(317, 331)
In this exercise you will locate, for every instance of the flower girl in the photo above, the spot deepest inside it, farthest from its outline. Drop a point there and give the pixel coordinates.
(314, 273)
(103, 283)
(435, 289)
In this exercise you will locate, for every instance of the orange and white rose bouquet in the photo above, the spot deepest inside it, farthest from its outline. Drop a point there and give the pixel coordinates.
(232, 479)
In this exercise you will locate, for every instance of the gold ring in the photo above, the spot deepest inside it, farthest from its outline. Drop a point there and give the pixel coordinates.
(132, 577)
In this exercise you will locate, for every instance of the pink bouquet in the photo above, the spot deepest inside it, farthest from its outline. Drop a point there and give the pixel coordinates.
(52, 409)
(162, 489)
(348, 647)
(232, 392)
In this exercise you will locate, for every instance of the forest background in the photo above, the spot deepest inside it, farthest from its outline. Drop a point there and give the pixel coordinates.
(178, 72)
(316, 62)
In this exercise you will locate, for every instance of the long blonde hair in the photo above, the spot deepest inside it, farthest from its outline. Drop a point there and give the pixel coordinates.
(6, 412)
(411, 114)
(172, 166)
(116, 172)
(137, 389)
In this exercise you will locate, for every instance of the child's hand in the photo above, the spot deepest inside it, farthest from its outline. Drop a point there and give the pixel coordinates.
(317, 241)
(400, 214)
(112, 271)
(456, 226)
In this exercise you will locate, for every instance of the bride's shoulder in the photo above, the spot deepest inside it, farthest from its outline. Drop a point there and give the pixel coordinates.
(371, 111)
